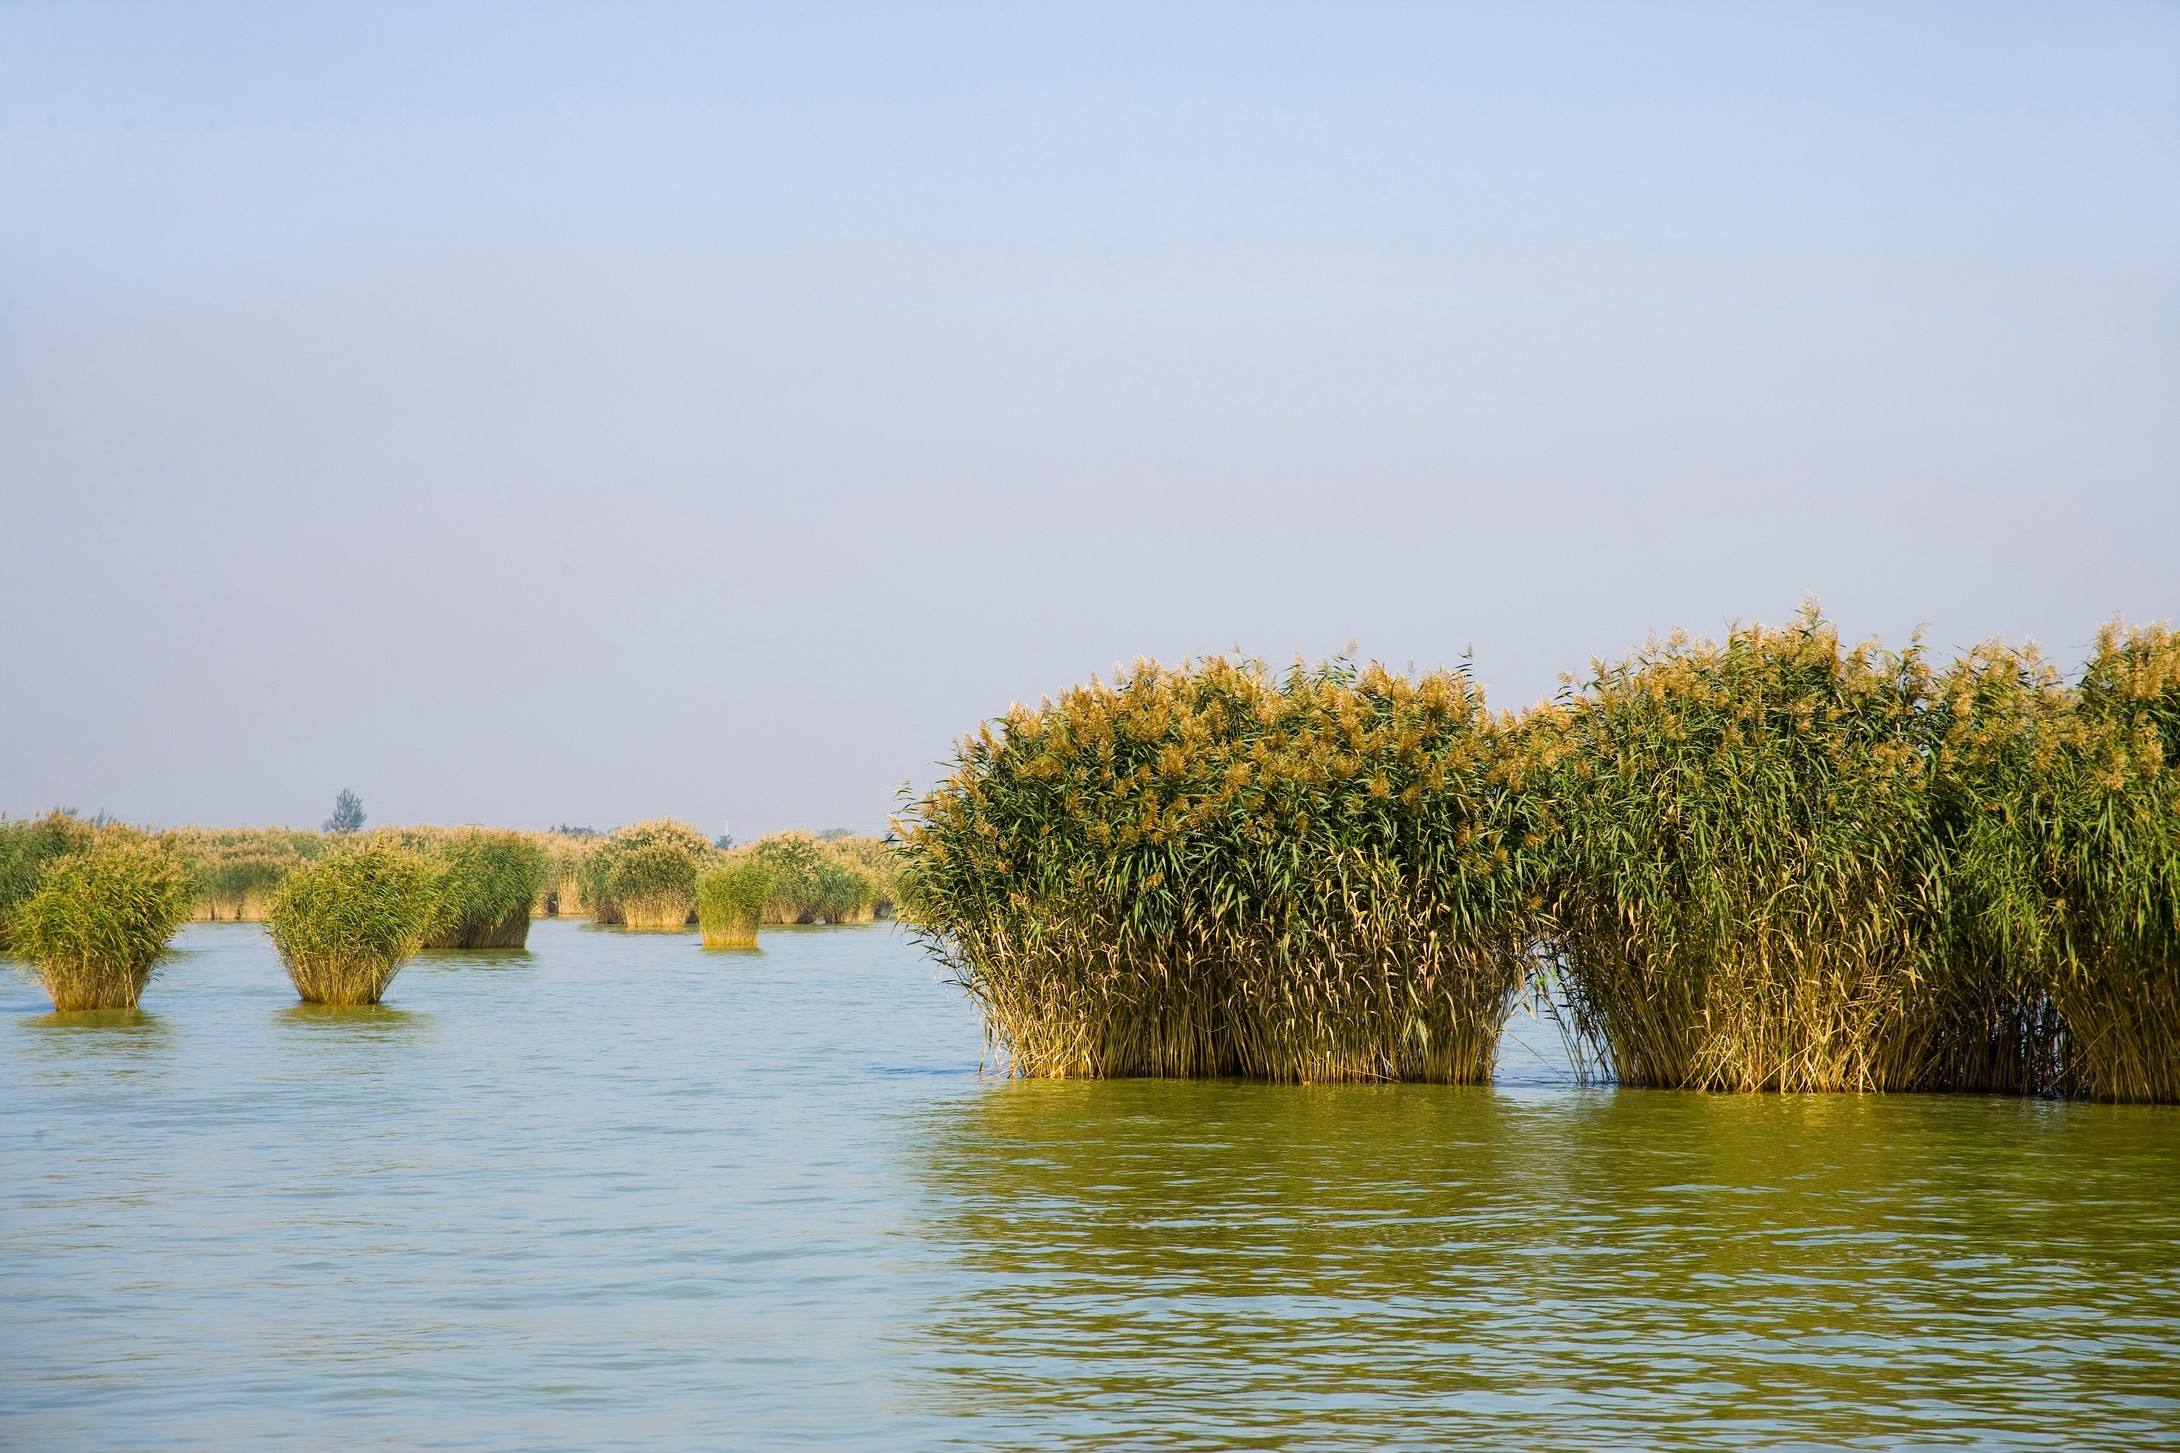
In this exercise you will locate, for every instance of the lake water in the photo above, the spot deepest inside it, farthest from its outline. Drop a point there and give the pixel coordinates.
(619, 1192)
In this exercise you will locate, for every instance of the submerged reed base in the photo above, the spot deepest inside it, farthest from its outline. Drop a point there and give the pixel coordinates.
(656, 912)
(1084, 1004)
(328, 978)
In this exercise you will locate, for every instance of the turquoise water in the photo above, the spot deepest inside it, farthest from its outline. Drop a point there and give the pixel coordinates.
(619, 1192)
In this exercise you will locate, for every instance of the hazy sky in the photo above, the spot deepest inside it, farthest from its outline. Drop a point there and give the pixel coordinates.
(587, 413)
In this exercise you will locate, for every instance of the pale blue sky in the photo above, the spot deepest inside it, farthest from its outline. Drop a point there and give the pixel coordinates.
(590, 412)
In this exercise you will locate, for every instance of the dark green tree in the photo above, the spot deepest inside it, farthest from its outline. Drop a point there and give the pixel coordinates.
(347, 813)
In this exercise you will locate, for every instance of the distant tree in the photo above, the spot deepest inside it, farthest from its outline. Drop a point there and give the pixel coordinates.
(724, 841)
(347, 813)
(570, 830)
(834, 834)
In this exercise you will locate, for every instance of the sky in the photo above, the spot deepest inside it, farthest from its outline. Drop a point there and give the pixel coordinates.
(583, 413)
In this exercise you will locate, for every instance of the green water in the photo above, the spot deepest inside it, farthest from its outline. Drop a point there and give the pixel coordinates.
(619, 1192)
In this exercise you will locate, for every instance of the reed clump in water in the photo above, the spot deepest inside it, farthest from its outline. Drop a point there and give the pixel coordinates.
(876, 863)
(2116, 974)
(486, 883)
(100, 920)
(25, 849)
(730, 901)
(2002, 725)
(345, 925)
(1746, 889)
(644, 875)
(1211, 871)
(826, 878)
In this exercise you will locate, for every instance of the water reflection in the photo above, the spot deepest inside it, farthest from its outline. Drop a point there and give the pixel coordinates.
(473, 958)
(125, 1025)
(94, 1044)
(1186, 1264)
(356, 1021)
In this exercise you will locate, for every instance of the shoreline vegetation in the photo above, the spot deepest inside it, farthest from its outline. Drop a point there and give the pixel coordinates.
(1776, 862)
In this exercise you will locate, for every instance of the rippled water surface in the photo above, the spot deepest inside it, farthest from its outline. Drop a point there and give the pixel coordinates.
(619, 1192)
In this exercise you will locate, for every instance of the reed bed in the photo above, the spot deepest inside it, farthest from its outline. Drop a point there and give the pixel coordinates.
(730, 901)
(236, 869)
(644, 876)
(100, 918)
(485, 883)
(1741, 869)
(26, 847)
(826, 877)
(1325, 876)
(565, 854)
(345, 924)
(2116, 976)
(1776, 862)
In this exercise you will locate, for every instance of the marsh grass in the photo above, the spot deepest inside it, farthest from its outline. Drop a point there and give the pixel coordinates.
(1775, 862)
(1741, 864)
(25, 849)
(730, 902)
(1211, 871)
(2108, 949)
(236, 869)
(644, 876)
(562, 895)
(486, 883)
(826, 879)
(346, 924)
(100, 920)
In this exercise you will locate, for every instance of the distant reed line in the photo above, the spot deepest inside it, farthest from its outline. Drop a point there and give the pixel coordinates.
(91, 906)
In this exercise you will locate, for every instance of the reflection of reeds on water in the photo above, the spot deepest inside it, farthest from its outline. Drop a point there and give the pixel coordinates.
(374, 1020)
(1217, 1262)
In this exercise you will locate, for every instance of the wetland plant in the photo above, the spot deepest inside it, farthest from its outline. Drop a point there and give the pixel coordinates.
(346, 924)
(2076, 881)
(1213, 871)
(236, 869)
(644, 875)
(1739, 855)
(25, 849)
(100, 920)
(2115, 976)
(565, 853)
(486, 883)
(834, 878)
(730, 901)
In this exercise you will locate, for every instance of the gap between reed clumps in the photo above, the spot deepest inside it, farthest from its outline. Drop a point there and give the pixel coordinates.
(1775, 862)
